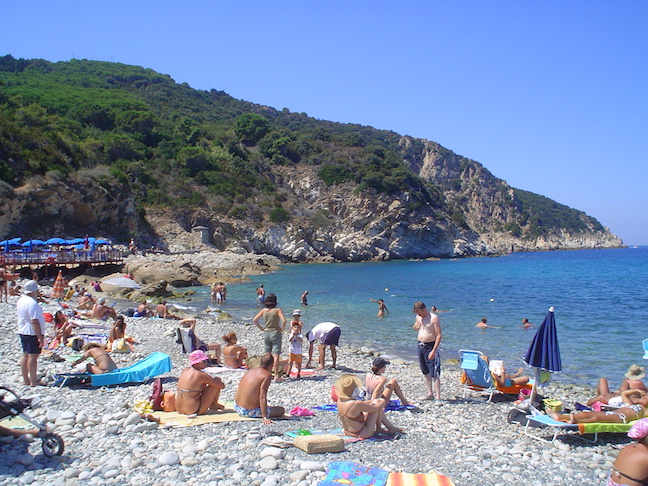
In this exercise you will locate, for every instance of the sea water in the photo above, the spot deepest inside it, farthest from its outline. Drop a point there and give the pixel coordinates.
(600, 299)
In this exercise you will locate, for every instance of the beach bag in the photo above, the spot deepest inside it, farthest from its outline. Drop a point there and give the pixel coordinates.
(157, 395)
(524, 394)
(120, 346)
(516, 416)
(168, 401)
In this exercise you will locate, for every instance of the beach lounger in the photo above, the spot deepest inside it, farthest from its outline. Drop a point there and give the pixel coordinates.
(150, 367)
(575, 430)
(476, 376)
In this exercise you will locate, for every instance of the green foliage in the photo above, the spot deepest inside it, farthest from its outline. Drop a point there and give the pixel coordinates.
(250, 128)
(279, 215)
(544, 216)
(173, 146)
(513, 228)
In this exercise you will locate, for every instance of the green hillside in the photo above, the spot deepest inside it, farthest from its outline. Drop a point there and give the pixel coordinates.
(176, 147)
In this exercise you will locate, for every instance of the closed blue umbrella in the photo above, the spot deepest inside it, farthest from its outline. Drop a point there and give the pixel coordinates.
(544, 352)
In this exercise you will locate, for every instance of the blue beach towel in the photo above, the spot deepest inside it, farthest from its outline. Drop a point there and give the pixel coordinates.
(352, 473)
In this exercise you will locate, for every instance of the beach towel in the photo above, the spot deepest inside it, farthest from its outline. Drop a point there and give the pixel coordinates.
(407, 479)
(352, 473)
(340, 433)
(392, 406)
(178, 420)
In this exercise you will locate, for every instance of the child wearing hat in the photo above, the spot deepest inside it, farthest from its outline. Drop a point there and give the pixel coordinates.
(197, 391)
(295, 339)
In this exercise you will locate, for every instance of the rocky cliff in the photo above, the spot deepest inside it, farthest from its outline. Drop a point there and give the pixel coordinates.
(472, 213)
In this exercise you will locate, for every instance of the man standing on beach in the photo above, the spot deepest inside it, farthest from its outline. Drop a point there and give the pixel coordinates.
(328, 334)
(251, 399)
(429, 337)
(30, 329)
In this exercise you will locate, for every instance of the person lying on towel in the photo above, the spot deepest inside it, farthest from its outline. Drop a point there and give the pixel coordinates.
(197, 391)
(628, 412)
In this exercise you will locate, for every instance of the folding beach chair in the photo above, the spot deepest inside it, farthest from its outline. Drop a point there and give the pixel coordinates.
(476, 376)
(575, 430)
(150, 367)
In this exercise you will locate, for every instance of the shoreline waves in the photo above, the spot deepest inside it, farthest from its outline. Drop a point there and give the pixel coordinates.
(467, 439)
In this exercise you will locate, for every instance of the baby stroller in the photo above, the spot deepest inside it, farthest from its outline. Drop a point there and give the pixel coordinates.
(12, 406)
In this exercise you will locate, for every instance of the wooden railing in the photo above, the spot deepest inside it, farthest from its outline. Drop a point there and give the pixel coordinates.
(77, 257)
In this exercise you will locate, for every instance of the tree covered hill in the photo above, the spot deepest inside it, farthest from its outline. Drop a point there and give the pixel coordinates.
(168, 146)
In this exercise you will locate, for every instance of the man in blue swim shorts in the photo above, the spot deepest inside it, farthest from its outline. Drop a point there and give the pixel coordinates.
(251, 399)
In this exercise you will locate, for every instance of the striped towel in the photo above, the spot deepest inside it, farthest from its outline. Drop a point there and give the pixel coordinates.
(406, 479)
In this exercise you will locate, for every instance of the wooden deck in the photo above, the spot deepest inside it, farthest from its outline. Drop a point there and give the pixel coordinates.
(63, 258)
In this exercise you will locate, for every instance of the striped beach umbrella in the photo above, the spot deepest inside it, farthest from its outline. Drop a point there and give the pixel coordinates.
(58, 291)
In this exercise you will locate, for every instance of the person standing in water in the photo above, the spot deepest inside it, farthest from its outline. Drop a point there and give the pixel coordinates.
(382, 308)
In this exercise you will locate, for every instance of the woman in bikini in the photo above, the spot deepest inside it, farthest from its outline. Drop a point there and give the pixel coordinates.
(233, 355)
(631, 465)
(362, 418)
(634, 407)
(197, 391)
(62, 326)
(375, 382)
(103, 363)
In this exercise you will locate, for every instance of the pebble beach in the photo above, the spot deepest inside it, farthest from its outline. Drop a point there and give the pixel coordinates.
(106, 442)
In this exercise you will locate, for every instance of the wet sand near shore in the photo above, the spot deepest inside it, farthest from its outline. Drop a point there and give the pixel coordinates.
(467, 439)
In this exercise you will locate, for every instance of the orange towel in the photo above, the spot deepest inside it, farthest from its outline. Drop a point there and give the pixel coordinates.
(407, 479)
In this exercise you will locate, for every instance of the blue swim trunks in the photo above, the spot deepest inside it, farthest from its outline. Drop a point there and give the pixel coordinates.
(248, 412)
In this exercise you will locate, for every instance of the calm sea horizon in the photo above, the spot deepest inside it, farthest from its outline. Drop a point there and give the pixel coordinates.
(600, 299)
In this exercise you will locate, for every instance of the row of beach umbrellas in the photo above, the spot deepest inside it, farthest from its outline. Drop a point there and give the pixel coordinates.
(54, 241)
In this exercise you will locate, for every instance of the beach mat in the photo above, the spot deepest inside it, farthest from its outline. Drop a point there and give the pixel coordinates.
(338, 432)
(407, 479)
(392, 406)
(216, 370)
(352, 473)
(178, 420)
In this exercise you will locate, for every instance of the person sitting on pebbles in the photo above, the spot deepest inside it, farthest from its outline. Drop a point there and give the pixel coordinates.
(631, 465)
(375, 382)
(197, 391)
(634, 407)
(362, 418)
(233, 355)
(251, 399)
(103, 363)
(86, 301)
(143, 310)
(196, 343)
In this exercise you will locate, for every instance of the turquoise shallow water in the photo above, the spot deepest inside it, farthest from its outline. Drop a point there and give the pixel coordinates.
(600, 299)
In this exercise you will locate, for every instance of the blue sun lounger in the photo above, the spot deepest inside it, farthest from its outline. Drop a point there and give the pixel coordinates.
(575, 430)
(150, 367)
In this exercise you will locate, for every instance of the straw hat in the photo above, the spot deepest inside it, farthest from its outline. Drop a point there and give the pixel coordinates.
(197, 356)
(636, 372)
(346, 385)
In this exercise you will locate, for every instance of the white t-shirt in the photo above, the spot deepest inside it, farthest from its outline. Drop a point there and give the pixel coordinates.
(296, 344)
(28, 309)
(321, 330)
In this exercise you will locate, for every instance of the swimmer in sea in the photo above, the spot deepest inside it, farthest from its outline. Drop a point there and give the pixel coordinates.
(382, 308)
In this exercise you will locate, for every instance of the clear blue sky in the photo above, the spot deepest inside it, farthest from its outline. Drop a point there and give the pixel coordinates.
(550, 96)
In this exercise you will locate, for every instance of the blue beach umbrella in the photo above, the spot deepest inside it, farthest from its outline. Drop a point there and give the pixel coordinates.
(544, 353)
(9, 243)
(74, 241)
(55, 241)
(32, 243)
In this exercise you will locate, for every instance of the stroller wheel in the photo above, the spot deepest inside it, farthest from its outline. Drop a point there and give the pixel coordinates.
(53, 445)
